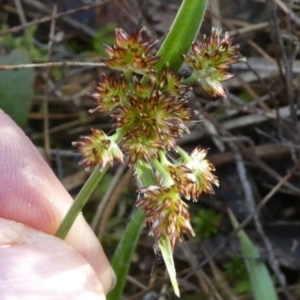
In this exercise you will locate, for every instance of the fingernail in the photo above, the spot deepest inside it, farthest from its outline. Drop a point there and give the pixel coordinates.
(113, 280)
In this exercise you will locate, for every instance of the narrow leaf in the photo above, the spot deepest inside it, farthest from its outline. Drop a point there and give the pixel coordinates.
(261, 281)
(183, 32)
(122, 258)
(123, 255)
(167, 253)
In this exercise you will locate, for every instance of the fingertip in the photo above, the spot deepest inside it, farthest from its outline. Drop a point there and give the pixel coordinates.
(36, 264)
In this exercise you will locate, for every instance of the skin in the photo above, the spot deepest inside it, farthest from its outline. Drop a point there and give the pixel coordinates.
(34, 264)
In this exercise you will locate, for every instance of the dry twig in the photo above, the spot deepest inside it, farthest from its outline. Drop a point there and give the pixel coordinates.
(49, 18)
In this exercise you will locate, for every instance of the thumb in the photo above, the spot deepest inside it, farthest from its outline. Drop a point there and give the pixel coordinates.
(35, 265)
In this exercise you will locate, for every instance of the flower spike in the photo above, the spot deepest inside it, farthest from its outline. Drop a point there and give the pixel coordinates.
(166, 214)
(211, 59)
(109, 93)
(132, 53)
(98, 149)
(203, 171)
(150, 112)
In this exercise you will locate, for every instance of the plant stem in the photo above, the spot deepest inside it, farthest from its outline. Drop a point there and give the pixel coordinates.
(190, 80)
(120, 262)
(122, 258)
(184, 155)
(80, 201)
(166, 177)
(83, 196)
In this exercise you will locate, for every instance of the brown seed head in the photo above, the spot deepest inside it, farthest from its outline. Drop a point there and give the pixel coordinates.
(166, 214)
(211, 59)
(109, 93)
(169, 82)
(132, 52)
(98, 149)
(152, 120)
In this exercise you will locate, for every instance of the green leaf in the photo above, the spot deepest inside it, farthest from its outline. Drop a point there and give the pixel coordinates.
(262, 284)
(123, 255)
(16, 87)
(167, 254)
(183, 32)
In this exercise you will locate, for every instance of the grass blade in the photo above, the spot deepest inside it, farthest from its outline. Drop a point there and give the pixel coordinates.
(261, 281)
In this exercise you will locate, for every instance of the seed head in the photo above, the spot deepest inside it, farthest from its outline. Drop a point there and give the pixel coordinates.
(152, 120)
(166, 214)
(98, 149)
(167, 81)
(109, 93)
(203, 171)
(211, 59)
(132, 52)
(182, 176)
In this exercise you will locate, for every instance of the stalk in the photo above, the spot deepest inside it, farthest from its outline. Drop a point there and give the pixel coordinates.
(83, 197)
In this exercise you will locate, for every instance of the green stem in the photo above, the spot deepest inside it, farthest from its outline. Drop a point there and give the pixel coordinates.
(80, 201)
(190, 80)
(166, 177)
(83, 196)
(128, 76)
(122, 258)
(162, 157)
(184, 155)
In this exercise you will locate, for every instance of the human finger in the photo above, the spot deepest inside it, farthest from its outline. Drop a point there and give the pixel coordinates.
(31, 194)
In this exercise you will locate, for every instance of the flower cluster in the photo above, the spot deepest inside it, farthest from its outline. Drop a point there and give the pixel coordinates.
(166, 213)
(148, 115)
(152, 119)
(132, 52)
(98, 149)
(211, 59)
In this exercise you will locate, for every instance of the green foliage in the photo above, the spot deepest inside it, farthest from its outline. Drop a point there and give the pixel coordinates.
(105, 35)
(237, 274)
(23, 42)
(16, 87)
(57, 73)
(89, 210)
(206, 223)
(246, 97)
(262, 285)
